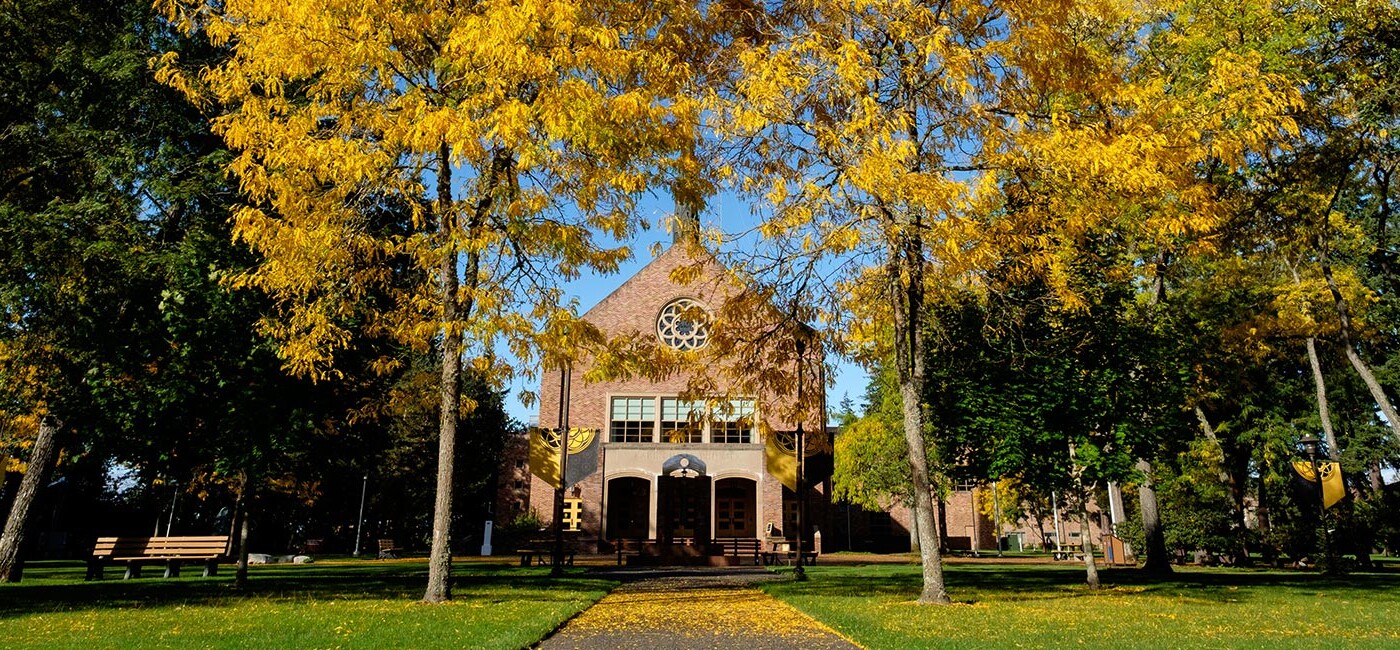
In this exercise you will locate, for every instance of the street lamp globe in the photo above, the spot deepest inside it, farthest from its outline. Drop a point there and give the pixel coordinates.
(1309, 443)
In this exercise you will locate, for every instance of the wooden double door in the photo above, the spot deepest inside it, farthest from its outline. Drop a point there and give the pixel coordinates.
(684, 507)
(736, 508)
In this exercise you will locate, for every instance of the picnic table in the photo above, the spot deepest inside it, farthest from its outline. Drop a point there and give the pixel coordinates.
(783, 551)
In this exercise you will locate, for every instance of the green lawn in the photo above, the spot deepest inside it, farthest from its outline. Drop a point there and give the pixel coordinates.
(351, 604)
(1001, 606)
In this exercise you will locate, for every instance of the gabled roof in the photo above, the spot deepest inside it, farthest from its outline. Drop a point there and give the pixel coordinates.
(642, 286)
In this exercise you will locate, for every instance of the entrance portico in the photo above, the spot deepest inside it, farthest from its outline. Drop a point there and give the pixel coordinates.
(692, 495)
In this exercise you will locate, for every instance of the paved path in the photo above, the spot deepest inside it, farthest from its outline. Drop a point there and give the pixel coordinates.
(693, 608)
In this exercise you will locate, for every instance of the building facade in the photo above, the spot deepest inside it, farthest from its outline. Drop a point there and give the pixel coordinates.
(660, 462)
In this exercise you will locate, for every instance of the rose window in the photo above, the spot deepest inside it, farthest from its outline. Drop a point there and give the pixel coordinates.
(683, 324)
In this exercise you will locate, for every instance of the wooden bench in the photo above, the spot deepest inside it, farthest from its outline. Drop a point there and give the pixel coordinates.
(136, 551)
(630, 547)
(741, 547)
(389, 550)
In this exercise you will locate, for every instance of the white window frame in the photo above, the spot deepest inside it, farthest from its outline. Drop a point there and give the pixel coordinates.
(647, 403)
(739, 409)
(710, 416)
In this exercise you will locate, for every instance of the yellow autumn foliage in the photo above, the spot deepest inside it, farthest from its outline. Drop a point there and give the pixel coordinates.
(17, 434)
(1000, 131)
(21, 369)
(533, 125)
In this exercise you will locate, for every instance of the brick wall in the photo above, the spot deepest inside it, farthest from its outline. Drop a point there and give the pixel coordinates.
(959, 512)
(514, 481)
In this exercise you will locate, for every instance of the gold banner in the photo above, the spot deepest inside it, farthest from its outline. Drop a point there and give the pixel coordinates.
(544, 454)
(1333, 489)
(781, 459)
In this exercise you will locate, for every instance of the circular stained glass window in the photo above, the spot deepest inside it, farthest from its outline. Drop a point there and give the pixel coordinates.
(683, 324)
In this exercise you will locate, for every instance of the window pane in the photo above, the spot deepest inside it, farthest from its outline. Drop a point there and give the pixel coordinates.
(739, 409)
(633, 419)
(633, 408)
(735, 426)
(681, 421)
(675, 410)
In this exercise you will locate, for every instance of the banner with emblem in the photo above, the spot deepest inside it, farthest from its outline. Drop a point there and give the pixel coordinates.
(1333, 489)
(544, 455)
(820, 459)
(780, 457)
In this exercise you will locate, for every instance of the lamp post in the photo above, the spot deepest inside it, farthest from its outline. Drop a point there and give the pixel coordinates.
(800, 573)
(996, 511)
(565, 383)
(360, 525)
(1310, 447)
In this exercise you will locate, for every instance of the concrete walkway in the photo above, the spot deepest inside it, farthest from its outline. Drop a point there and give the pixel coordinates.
(693, 608)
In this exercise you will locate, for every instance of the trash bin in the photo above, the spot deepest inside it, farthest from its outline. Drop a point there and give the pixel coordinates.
(1011, 542)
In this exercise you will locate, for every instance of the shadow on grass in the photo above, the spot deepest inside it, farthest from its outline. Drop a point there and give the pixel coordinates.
(1227, 584)
(971, 584)
(58, 586)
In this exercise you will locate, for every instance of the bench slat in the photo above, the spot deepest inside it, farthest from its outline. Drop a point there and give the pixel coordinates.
(143, 548)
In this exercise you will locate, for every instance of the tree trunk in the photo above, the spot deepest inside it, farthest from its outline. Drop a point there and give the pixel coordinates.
(1227, 478)
(906, 281)
(1091, 568)
(1344, 321)
(1086, 538)
(41, 460)
(1323, 412)
(941, 511)
(1155, 555)
(240, 576)
(974, 542)
(1319, 387)
(931, 555)
(1040, 528)
(1262, 513)
(914, 546)
(996, 511)
(449, 390)
(1155, 560)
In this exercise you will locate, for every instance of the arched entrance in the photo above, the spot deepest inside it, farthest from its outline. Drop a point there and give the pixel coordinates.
(736, 506)
(683, 500)
(629, 503)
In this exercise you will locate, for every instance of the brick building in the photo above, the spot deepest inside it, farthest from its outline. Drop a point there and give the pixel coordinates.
(968, 528)
(658, 466)
(663, 463)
